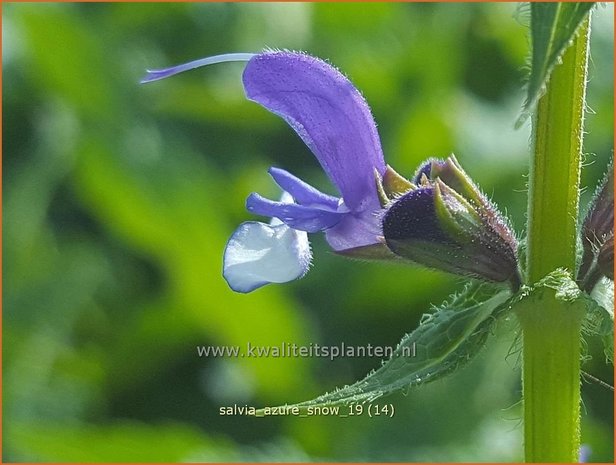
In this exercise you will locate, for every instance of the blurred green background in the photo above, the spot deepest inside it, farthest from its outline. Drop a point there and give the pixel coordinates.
(119, 198)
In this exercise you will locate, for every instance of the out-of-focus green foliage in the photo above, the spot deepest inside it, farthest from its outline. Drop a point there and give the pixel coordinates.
(118, 200)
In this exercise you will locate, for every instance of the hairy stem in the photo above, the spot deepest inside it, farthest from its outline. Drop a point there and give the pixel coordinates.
(551, 331)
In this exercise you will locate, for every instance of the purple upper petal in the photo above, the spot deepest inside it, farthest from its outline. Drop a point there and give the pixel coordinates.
(328, 113)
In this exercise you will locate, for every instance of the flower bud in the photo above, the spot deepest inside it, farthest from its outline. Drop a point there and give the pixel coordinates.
(605, 260)
(451, 173)
(438, 226)
(599, 222)
(598, 236)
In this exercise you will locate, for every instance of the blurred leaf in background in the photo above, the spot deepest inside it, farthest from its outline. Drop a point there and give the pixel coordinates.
(119, 198)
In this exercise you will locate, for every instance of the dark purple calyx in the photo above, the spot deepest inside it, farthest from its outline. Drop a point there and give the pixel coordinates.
(436, 226)
(413, 218)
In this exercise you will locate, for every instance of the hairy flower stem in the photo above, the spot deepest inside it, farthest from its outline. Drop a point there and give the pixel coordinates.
(551, 331)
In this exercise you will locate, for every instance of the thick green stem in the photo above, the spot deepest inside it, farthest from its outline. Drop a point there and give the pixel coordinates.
(555, 169)
(551, 381)
(551, 331)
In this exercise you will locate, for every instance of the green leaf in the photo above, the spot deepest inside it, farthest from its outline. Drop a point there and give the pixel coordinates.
(447, 338)
(553, 26)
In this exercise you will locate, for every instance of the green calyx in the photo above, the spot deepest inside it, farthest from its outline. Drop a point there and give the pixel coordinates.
(456, 215)
(391, 185)
(452, 174)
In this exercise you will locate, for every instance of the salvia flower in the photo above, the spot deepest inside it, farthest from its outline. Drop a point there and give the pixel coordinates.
(598, 236)
(446, 222)
(334, 121)
(440, 219)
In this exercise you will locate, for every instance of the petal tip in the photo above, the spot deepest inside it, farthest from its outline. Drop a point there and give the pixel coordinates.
(158, 74)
